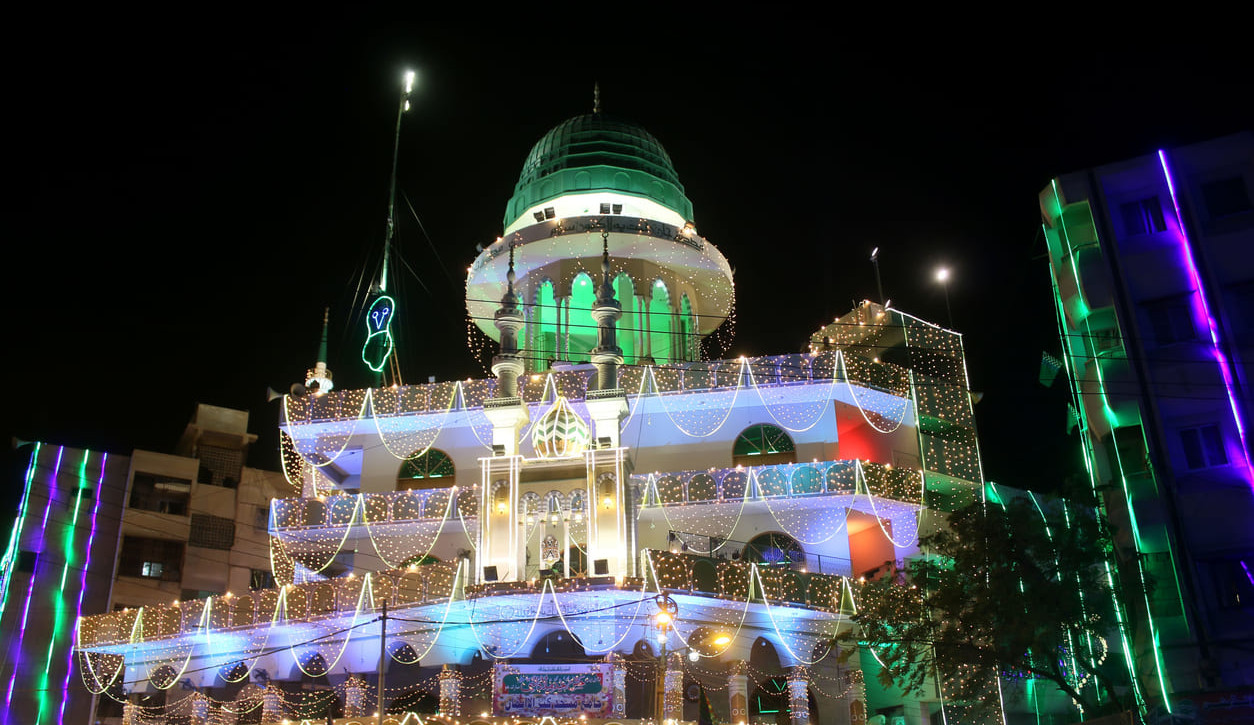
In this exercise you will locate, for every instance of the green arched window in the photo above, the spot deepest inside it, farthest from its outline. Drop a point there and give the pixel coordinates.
(431, 469)
(761, 444)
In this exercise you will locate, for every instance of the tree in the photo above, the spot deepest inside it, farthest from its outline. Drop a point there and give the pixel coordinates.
(1018, 590)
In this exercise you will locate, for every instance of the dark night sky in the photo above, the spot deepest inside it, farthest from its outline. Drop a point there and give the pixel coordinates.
(192, 202)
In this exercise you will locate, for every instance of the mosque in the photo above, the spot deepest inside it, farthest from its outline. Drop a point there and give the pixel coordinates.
(614, 528)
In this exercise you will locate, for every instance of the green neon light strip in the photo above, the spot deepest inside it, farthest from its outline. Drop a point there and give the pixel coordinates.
(58, 606)
(15, 536)
(1090, 467)
(1113, 420)
(1087, 457)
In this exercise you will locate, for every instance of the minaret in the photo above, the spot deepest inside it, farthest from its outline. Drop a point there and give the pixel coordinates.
(607, 355)
(508, 365)
(318, 379)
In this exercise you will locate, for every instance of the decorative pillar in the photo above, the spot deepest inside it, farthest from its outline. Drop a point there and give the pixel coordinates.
(738, 691)
(354, 697)
(199, 708)
(271, 708)
(799, 695)
(607, 355)
(129, 715)
(857, 698)
(673, 700)
(450, 692)
(509, 319)
(618, 674)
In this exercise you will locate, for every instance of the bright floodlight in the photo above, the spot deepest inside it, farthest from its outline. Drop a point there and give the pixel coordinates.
(875, 253)
(409, 81)
(942, 274)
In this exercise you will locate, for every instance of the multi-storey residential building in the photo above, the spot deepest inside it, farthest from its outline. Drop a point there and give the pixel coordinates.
(99, 532)
(1154, 281)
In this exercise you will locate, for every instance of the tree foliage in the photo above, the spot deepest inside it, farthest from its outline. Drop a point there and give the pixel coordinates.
(1018, 590)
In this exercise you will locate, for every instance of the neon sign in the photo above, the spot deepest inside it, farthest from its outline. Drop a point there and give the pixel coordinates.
(379, 343)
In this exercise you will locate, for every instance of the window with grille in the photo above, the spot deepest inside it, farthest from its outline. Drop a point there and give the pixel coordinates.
(152, 558)
(1144, 216)
(224, 465)
(260, 579)
(1226, 197)
(1172, 320)
(431, 468)
(761, 444)
(1203, 447)
(1234, 580)
(163, 494)
(211, 532)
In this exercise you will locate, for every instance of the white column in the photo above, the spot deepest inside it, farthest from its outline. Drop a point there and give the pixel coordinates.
(738, 691)
(450, 692)
(673, 700)
(271, 709)
(799, 695)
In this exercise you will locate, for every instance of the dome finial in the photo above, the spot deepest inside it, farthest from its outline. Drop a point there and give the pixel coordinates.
(596, 97)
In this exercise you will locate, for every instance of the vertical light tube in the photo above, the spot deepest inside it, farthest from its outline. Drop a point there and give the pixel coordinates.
(82, 588)
(58, 608)
(15, 537)
(30, 590)
(1190, 264)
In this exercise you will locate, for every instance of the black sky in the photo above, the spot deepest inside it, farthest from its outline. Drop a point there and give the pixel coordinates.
(191, 201)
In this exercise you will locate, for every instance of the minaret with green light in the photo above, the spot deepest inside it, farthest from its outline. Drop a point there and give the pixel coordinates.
(318, 379)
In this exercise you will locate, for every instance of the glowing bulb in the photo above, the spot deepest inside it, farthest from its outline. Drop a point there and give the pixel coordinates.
(409, 81)
(693, 656)
(722, 640)
(608, 502)
(942, 274)
(502, 508)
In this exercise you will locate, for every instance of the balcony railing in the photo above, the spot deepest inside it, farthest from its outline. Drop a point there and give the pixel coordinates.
(415, 586)
(787, 480)
(385, 403)
(736, 580)
(375, 508)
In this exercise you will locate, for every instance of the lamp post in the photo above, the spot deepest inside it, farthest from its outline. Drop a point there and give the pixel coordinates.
(663, 622)
(942, 276)
(879, 286)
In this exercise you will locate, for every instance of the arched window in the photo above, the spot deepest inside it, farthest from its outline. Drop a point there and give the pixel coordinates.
(775, 549)
(762, 444)
(430, 469)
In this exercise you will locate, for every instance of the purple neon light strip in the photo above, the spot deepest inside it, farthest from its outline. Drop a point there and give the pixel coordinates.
(82, 589)
(15, 543)
(30, 590)
(1224, 370)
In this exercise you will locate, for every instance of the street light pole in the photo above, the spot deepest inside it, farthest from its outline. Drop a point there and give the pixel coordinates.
(875, 260)
(942, 276)
(383, 653)
(663, 620)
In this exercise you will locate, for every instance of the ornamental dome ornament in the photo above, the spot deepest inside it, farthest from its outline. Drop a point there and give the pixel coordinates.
(560, 432)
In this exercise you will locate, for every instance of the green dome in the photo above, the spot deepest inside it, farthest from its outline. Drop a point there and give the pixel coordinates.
(595, 152)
